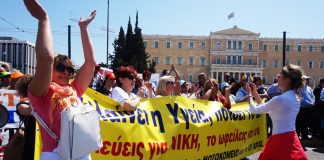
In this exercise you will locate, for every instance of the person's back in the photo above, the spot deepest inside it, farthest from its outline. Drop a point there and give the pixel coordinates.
(284, 112)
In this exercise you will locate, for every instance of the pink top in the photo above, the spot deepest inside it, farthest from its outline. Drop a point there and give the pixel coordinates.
(42, 106)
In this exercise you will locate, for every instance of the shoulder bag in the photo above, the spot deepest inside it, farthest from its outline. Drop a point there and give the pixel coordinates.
(80, 131)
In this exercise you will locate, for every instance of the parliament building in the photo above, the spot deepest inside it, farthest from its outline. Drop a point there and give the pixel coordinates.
(235, 51)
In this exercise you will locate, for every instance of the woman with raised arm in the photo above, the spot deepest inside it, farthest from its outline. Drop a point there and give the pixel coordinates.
(284, 142)
(49, 91)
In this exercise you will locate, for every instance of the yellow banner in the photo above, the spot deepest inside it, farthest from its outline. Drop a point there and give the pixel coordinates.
(176, 128)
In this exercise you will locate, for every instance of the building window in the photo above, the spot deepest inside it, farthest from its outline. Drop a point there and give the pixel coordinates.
(229, 60)
(310, 48)
(265, 46)
(264, 63)
(156, 44)
(218, 45)
(322, 48)
(321, 64)
(145, 44)
(156, 60)
(202, 61)
(234, 60)
(190, 78)
(276, 64)
(191, 61)
(299, 48)
(168, 44)
(250, 47)
(250, 61)
(179, 44)
(264, 80)
(203, 45)
(239, 60)
(179, 60)
(298, 62)
(191, 44)
(287, 62)
(234, 44)
(288, 48)
(240, 45)
(218, 61)
(276, 48)
(229, 44)
(168, 60)
(310, 64)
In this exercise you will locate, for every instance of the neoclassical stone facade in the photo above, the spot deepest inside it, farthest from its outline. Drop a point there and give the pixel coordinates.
(235, 51)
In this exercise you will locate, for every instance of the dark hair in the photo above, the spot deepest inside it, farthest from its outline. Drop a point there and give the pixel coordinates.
(255, 79)
(321, 81)
(122, 72)
(295, 74)
(232, 80)
(164, 72)
(22, 85)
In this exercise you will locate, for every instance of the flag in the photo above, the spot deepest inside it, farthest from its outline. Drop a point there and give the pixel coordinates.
(230, 15)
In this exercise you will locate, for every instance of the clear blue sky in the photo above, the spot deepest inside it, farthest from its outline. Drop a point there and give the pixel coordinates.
(301, 19)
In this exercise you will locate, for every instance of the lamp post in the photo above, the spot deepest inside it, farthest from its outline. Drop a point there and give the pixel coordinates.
(284, 49)
(108, 33)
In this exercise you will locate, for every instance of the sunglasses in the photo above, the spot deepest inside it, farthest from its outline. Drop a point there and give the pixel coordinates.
(62, 68)
(170, 82)
(131, 77)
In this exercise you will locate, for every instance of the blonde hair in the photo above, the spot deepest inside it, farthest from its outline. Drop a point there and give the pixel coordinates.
(161, 87)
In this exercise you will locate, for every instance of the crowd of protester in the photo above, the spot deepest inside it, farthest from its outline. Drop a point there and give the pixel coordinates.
(128, 87)
(228, 92)
(292, 103)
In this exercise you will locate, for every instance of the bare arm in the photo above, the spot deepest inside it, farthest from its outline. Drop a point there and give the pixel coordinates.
(227, 102)
(131, 105)
(24, 109)
(85, 73)
(207, 94)
(44, 50)
(252, 91)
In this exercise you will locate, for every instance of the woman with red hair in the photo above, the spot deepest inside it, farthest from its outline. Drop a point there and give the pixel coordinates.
(125, 80)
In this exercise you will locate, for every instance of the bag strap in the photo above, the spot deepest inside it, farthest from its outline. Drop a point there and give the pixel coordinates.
(43, 124)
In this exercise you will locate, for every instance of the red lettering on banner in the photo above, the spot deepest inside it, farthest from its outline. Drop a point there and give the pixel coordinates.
(125, 149)
(185, 141)
(158, 147)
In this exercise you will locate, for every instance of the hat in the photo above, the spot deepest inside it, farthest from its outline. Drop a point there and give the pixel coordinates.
(16, 74)
(110, 75)
(305, 77)
(5, 74)
(224, 85)
(182, 82)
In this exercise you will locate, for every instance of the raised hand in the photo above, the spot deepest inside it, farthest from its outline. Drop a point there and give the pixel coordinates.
(85, 22)
(35, 9)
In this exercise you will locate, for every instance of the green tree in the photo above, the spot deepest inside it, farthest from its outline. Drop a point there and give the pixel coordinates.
(130, 50)
(139, 49)
(129, 44)
(119, 50)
